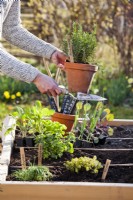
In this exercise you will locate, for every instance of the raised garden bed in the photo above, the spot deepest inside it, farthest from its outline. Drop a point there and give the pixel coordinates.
(65, 185)
(0, 146)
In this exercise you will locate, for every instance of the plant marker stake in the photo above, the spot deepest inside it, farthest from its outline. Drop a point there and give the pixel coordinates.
(57, 75)
(40, 154)
(57, 80)
(22, 155)
(105, 170)
(47, 67)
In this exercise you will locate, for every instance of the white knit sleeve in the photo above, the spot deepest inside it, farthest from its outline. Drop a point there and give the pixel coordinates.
(18, 36)
(15, 68)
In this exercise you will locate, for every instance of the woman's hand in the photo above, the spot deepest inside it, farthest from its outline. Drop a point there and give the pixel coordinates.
(46, 84)
(59, 58)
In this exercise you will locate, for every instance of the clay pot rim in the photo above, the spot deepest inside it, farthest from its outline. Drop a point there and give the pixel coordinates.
(63, 116)
(80, 66)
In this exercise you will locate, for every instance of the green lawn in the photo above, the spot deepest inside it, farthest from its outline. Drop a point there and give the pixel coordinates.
(122, 112)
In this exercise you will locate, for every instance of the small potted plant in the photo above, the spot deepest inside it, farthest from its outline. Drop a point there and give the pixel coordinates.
(80, 46)
(22, 126)
(93, 130)
(26, 120)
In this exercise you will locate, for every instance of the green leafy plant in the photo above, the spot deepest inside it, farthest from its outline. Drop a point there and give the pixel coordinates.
(83, 164)
(93, 119)
(54, 140)
(118, 90)
(30, 120)
(80, 45)
(33, 173)
(37, 115)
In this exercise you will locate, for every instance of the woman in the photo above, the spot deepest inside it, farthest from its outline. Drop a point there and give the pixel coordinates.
(12, 30)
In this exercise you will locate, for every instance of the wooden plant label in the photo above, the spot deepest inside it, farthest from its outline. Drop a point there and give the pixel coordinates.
(23, 160)
(40, 154)
(106, 168)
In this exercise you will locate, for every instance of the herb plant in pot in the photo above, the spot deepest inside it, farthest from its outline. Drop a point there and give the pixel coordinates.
(26, 120)
(80, 46)
(22, 126)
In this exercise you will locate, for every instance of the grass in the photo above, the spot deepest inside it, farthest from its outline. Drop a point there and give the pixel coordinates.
(121, 112)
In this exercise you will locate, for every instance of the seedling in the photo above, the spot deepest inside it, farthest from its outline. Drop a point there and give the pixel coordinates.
(33, 173)
(90, 128)
(83, 164)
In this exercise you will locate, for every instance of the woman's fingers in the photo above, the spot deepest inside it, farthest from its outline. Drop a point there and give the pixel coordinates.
(46, 84)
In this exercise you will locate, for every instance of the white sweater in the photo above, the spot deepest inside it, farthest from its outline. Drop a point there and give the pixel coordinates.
(12, 30)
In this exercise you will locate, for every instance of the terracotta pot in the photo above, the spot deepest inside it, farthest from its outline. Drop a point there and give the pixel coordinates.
(79, 76)
(66, 119)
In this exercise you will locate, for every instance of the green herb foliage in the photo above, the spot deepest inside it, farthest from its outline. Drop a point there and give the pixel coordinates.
(33, 173)
(83, 164)
(54, 140)
(81, 43)
(28, 118)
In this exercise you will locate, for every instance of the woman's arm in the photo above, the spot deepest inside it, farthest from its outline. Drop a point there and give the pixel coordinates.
(18, 36)
(15, 68)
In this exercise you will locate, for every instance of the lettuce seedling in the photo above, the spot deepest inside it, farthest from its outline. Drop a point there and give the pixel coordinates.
(83, 164)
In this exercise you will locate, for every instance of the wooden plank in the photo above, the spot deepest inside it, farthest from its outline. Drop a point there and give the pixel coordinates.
(120, 122)
(103, 149)
(50, 166)
(117, 122)
(119, 138)
(7, 142)
(122, 165)
(65, 191)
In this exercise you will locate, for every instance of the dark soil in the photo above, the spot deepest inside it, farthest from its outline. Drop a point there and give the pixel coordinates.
(116, 157)
(121, 153)
(123, 132)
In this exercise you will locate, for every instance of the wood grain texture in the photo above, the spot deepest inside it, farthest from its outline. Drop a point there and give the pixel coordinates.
(121, 122)
(65, 191)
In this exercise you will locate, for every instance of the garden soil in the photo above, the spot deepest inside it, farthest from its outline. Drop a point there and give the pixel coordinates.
(118, 148)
